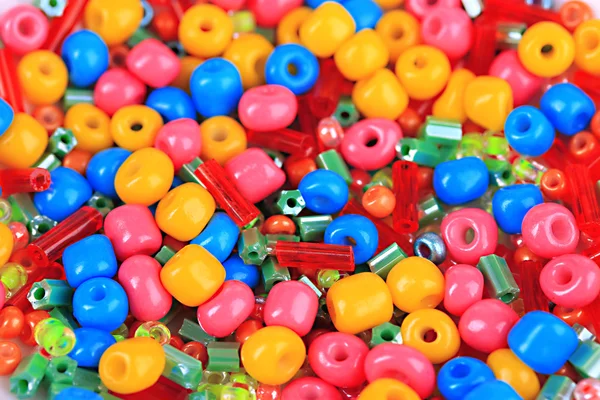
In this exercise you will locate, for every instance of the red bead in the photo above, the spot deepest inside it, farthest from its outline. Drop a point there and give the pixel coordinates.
(463, 288)
(315, 255)
(359, 179)
(406, 214)
(291, 304)
(246, 329)
(370, 144)
(520, 11)
(268, 13)
(153, 63)
(531, 292)
(176, 342)
(31, 320)
(325, 95)
(550, 230)
(284, 140)
(10, 89)
(267, 108)
(296, 167)
(117, 88)
(571, 280)
(421, 8)
(308, 388)
(196, 350)
(483, 50)
(12, 321)
(180, 140)
(448, 29)
(582, 199)
(165, 24)
(25, 180)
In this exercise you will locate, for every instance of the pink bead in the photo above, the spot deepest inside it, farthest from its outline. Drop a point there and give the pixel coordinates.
(227, 309)
(523, 83)
(571, 281)
(420, 8)
(118, 88)
(2, 295)
(267, 108)
(132, 230)
(268, 13)
(550, 230)
(403, 363)
(249, 168)
(180, 140)
(455, 227)
(339, 358)
(370, 144)
(140, 277)
(23, 29)
(485, 325)
(587, 389)
(463, 287)
(292, 304)
(229, 5)
(153, 63)
(448, 29)
(310, 388)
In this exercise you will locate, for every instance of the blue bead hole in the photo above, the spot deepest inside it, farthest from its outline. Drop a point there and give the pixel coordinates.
(523, 122)
(424, 251)
(97, 293)
(460, 371)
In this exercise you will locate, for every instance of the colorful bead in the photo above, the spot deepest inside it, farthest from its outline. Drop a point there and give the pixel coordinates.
(419, 323)
(43, 77)
(568, 108)
(292, 66)
(485, 325)
(361, 55)
(463, 288)
(90, 344)
(366, 13)
(571, 281)
(326, 29)
(289, 25)
(67, 193)
(587, 57)
(117, 88)
(324, 192)
(550, 230)
(24, 29)
(546, 49)
(219, 237)
(380, 95)
(236, 269)
(223, 138)
(225, 312)
(305, 387)
(90, 126)
(23, 143)
(291, 304)
(86, 57)
(460, 181)
(115, 21)
(357, 149)
(460, 375)
(358, 228)
(100, 296)
(153, 63)
(172, 103)
(267, 108)
(247, 52)
(91, 257)
(387, 28)
(448, 29)
(423, 71)
(132, 230)
(508, 368)
(415, 283)
(511, 203)
(488, 101)
(493, 390)
(523, 83)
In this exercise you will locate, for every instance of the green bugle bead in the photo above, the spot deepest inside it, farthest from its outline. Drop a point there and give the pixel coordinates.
(306, 280)
(65, 316)
(385, 333)
(272, 240)
(499, 280)
(441, 131)
(75, 96)
(39, 225)
(429, 209)
(273, 273)
(88, 379)
(557, 387)
(47, 161)
(61, 370)
(101, 203)
(383, 262)
(164, 254)
(312, 228)
(346, 112)
(26, 379)
(181, 368)
(331, 160)
(290, 202)
(193, 332)
(418, 151)
(23, 209)
(252, 246)
(50, 293)
(586, 360)
(62, 142)
(223, 356)
(186, 172)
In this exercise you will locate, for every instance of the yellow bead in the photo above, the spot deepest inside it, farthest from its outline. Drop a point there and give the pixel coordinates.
(249, 53)
(6, 243)
(419, 324)
(114, 20)
(23, 143)
(362, 55)
(145, 177)
(451, 103)
(273, 355)
(423, 71)
(399, 31)
(135, 127)
(416, 283)
(222, 139)
(326, 29)
(508, 368)
(546, 49)
(359, 302)
(287, 30)
(488, 101)
(587, 46)
(184, 211)
(132, 365)
(389, 4)
(205, 30)
(388, 389)
(43, 77)
(90, 126)
(193, 275)
(188, 65)
(380, 95)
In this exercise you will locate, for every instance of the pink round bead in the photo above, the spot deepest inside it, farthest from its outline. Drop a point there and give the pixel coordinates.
(587, 389)
(132, 230)
(291, 304)
(249, 168)
(229, 5)
(485, 325)
(571, 281)
(23, 29)
(227, 309)
(448, 29)
(118, 88)
(550, 230)
(523, 83)
(370, 144)
(268, 13)
(140, 277)
(403, 363)
(463, 287)
(455, 228)
(153, 63)
(420, 8)
(310, 388)
(267, 108)
(180, 140)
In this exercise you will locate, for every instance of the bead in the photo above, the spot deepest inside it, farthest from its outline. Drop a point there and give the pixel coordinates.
(508, 368)
(430, 246)
(420, 8)
(67, 193)
(224, 313)
(23, 143)
(76, 393)
(118, 88)
(24, 28)
(153, 63)
(12, 321)
(362, 232)
(132, 230)
(303, 388)
(293, 66)
(7, 116)
(558, 386)
(554, 184)
(366, 13)
(550, 230)
(289, 25)
(171, 103)
(460, 181)
(485, 325)
(457, 224)
(86, 57)
(102, 169)
(568, 108)
(61, 370)
(267, 108)
(415, 283)
(91, 127)
(326, 29)
(252, 246)
(6, 243)
(570, 280)
(448, 29)
(26, 379)
(90, 344)
(399, 30)
(192, 331)
(100, 296)
(463, 288)
(385, 333)
(135, 127)
(585, 359)
(361, 55)
(10, 359)
(370, 143)
(493, 390)
(223, 138)
(290, 202)
(586, 388)
(546, 49)
(498, 277)
(450, 104)
(379, 201)
(181, 368)
(511, 203)
(587, 56)
(324, 192)
(236, 269)
(387, 388)
(91, 257)
(273, 273)
(219, 237)
(523, 83)
(382, 263)
(115, 21)
(291, 304)
(205, 30)
(528, 131)
(380, 95)
(423, 71)
(488, 101)
(249, 53)
(420, 323)
(43, 77)
(460, 375)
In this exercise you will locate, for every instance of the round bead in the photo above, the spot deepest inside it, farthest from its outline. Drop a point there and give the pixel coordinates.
(77, 160)
(523, 83)
(326, 29)
(114, 20)
(269, 12)
(90, 126)
(100, 297)
(550, 230)
(354, 230)
(508, 368)
(236, 269)
(399, 31)
(379, 201)
(510, 204)
(219, 237)
(324, 192)
(421, 8)
(216, 87)
(31, 320)
(380, 95)
(370, 143)
(24, 28)
(463, 287)
(153, 63)
(7, 115)
(460, 375)
(23, 143)
(455, 227)
(289, 26)
(267, 108)
(102, 169)
(92, 257)
(450, 104)
(292, 66)
(423, 71)
(448, 29)
(171, 103)
(460, 181)
(415, 283)
(67, 193)
(365, 13)
(135, 127)
(227, 309)
(12, 322)
(587, 55)
(493, 390)
(568, 108)
(249, 53)
(188, 66)
(6, 243)
(546, 49)
(310, 387)
(587, 388)
(484, 325)
(43, 77)
(86, 57)
(90, 344)
(571, 280)
(387, 389)
(205, 30)
(11, 357)
(430, 246)
(488, 101)
(223, 138)
(74, 392)
(117, 88)
(180, 140)
(132, 230)
(362, 55)
(528, 131)
(291, 304)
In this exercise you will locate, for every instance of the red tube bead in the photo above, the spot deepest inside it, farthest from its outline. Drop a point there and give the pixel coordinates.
(314, 255)
(24, 180)
(517, 10)
(326, 93)
(582, 199)
(308, 122)
(483, 49)
(531, 292)
(285, 140)
(10, 89)
(406, 190)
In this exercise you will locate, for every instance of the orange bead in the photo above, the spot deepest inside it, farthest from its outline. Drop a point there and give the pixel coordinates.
(425, 178)
(574, 12)
(247, 329)
(10, 357)
(188, 65)
(572, 316)
(379, 201)
(554, 184)
(583, 147)
(50, 116)
(399, 31)
(165, 24)
(77, 160)
(31, 320)
(296, 167)
(410, 121)
(196, 350)
(279, 225)
(11, 322)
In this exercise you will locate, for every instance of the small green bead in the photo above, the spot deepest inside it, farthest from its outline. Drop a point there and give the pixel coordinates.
(252, 246)
(385, 333)
(47, 161)
(527, 170)
(62, 142)
(88, 379)
(273, 239)
(471, 145)
(193, 332)
(273, 273)
(139, 35)
(208, 391)
(50, 293)
(586, 360)
(382, 263)
(154, 330)
(441, 131)
(61, 370)
(181, 368)
(346, 112)
(383, 177)
(495, 145)
(64, 315)
(216, 378)
(23, 209)
(39, 225)
(499, 280)
(26, 379)
(52, 8)
(164, 254)
(290, 202)
(500, 172)
(75, 96)
(243, 21)
(331, 160)
(312, 228)
(418, 151)
(186, 173)
(327, 277)
(13, 276)
(223, 356)
(430, 209)
(101, 203)
(557, 387)
(205, 394)
(235, 393)
(306, 280)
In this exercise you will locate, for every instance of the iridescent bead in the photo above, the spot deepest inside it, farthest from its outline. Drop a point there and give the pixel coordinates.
(54, 337)
(431, 246)
(155, 330)
(330, 133)
(14, 277)
(20, 235)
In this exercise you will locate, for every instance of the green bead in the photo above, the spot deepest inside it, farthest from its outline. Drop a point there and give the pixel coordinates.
(382, 263)
(50, 293)
(13, 276)
(64, 315)
(346, 112)
(122, 331)
(495, 145)
(277, 157)
(305, 279)
(242, 378)
(252, 246)
(47, 161)
(88, 379)
(385, 333)
(139, 35)
(583, 334)
(23, 209)
(331, 160)
(62, 142)
(216, 378)
(16, 214)
(527, 170)
(235, 393)
(75, 96)
(101, 203)
(186, 173)
(173, 312)
(441, 131)
(272, 240)
(418, 151)
(430, 209)
(154, 330)
(273, 273)
(181, 368)
(243, 21)
(499, 280)
(500, 172)
(193, 332)
(26, 379)
(61, 370)
(205, 394)
(327, 277)
(164, 254)
(471, 145)
(290, 202)
(557, 387)
(54, 337)
(586, 360)
(312, 228)
(223, 356)
(52, 8)
(39, 225)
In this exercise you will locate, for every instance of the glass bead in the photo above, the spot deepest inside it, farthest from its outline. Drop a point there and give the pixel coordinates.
(155, 330)
(54, 337)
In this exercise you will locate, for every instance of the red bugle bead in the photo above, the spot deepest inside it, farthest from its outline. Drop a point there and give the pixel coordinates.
(483, 49)
(10, 89)
(582, 199)
(406, 189)
(519, 11)
(314, 255)
(284, 140)
(24, 180)
(326, 93)
(531, 292)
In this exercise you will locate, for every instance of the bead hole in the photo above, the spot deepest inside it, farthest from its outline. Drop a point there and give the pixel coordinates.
(397, 33)
(62, 368)
(387, 335)
(460, 371)
(424, 251)
(469, 236)
(429, 336)
(206, 26)
(340, 354)
(292, 69)
(345, 115)
(92, 123)
(49, 118)
(100, 203)
(563, 275)
(560, 229)
(26, 26)
(420, 62)
(97, 293)
(219, 135)
(291, 203)
(507, 298)
(21, 387)
(590, 40)
(136, 127)
(253, 255)
(119, 366)
(552, 181)
(39, 293)
(435, 26)
(522, 123)
(45, 69)
(65, 139)
(547, 51)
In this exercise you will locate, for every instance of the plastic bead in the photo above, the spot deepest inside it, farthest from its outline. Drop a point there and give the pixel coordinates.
(115, 21)
(324, 192)
(11, 322)
(90, 126)
(31, 320)
(302, 388)
(485, 325)
(117, 88)
(587, 57)
(387, 29)
(360, 229)
(102, 169)
(90, 344)
(91, 257)
(380, 95)
(488, 101)
(356, 145)
(247, 52)
(267, 108)
(11, 357)
(153, 63)
(223, 138)
(379, 201)
(450, 104)
(361, 55)
(24, 29)
(448, 29)
(546, 49)
(23, 143)
(205, 30)
(423, 71)
(100, 296)
(289, 25)
(460, 375)
(508, 368)
(460, 181)
(326, 29)
(236, 269)
(528, 131)
(415, 283)
(510, 205)
(86, 57)
(43, 77)
(132, 230)
(171, 103)
(182, 368)
(219, 237)
(568, 108)
(67, 193)
(304, 64)
(571, 281)
(585, 389)
(463, 288)
(493, 390)
(135, 127)
(550, 230)
(293, 305)
(26, 379)
(523, 83)
(420, 322)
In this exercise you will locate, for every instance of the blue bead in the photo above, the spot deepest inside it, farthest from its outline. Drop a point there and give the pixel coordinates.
(493, 390)
(148, 14)
(568, 108)
(303, 62)
(366, 13)
(461, 375)
(152, 209)
(216, 87)
(91, 257)
(236, 270)
(100, 303)
(460, 181)
(77, 393)
(528, 131)
(6, 116)
(86, 57)
(219, 236)
(176, 182)
(362, 231)
(324, 192)
(102, 169)
(66, 194)
(90, 344)
(171, 103)
(511, 203)
(317, 3)
(542, 341)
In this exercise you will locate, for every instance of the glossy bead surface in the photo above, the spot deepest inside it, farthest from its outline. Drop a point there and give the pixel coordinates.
(485, 234)
(153, 63)
(216, 87)
(222, 139)
(387, 27)
(86, 57)
(528, 131)
(420, 8)
(12, 322)
(118, 88)
(447, 339)
(90, 344)
(326, 29)
(485, 325)
(356, 145)
(448, 29)
(114, 20)
(92, 257)
(571, 280)
(6, 244)
(219, 237)
(533, 44)
(415, 283)
(269, 12)
(587, 57)
(423, 71)
(488, 101)
(380, 95)
(24, 28)
(171, 103)
(100, 296)
(493, 390)
(11, 357)
(249, 53)
(304, 63)
(90, 126)
(102, 169)
(67, 193)
(510, 204)
(227, 309)
(450, 104)
(366, 13)
(463, 287)
(460, 375)
(132, 230)
(550, 230)
(363, 54)
(74, 392)
(43, 77)
(23, 142)
(379, 201)
(523, 83)
(508, 368)
(236, 269)
(387, 388)
(287, 30)
(304, 388)
(460, 181)
(267, 108)
(324, 192)
(357, 228)
(135, 127)
(205, 30)
(568, 108)
(291, 304)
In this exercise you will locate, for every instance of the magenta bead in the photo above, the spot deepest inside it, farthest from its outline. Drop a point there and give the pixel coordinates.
(358, 148)
(118, 88)
(420, 8)
(403, 363)
(153, 63)
(23, 29)
(140, 277)
(550, 230)
(463, 287)
(448, 29)
(268, 13)
(455, 227)
(249, 168)
(571, 280)
(229, 5)
(2, 295)
(523, 83)
(291, 304)
(485, 325)
(310, 388)
(180, 140)
(132, 230)
(267, 108)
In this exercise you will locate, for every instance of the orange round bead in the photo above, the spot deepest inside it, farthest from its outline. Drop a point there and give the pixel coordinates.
(379, 201)
(574, 12)
(279, 225)
(50, 116)
(410, 121)
(584, 146)
(165, 24)
(296, 167)
(554, 184)
(247, 329)
(10, 357)
(11, 322)
(77, 160)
